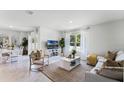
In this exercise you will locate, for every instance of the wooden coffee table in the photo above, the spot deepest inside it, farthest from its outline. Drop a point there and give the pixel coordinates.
(69, 63)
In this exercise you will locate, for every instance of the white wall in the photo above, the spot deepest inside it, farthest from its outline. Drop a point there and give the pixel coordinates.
(106, 36)
(48, 34)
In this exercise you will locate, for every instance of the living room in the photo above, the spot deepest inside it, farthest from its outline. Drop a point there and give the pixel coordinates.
(75, 46)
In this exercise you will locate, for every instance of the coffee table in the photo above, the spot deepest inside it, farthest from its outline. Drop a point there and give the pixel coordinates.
(69, 63)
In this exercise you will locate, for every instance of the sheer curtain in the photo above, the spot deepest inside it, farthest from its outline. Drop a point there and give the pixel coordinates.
(83, 45)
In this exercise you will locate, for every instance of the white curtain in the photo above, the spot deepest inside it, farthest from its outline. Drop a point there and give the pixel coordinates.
(67, 44)
(29, 44)
(83, 45)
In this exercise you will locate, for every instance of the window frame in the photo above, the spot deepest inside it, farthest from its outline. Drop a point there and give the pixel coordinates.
(75, 42)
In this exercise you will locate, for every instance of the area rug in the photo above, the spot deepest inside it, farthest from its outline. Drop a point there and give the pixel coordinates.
(57, 74)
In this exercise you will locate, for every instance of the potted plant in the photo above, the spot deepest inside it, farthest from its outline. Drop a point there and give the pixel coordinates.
(62, 44)
(25, 44)
(12, 46)
(73, 53)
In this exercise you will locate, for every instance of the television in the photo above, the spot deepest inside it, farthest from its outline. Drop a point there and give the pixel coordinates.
(52, 44)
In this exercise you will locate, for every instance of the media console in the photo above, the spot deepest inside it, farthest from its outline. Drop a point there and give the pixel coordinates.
(53, 52)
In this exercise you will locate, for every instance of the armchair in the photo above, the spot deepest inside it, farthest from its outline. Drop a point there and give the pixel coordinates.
(38, 59)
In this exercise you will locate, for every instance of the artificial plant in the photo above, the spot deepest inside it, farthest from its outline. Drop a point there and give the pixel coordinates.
(62, 44)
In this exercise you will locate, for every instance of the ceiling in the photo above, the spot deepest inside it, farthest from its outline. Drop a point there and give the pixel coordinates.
(57, 19)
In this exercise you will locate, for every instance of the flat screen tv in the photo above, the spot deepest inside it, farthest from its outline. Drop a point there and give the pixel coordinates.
(52, 44)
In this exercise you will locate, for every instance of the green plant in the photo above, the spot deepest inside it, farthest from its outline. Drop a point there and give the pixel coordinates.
(25, 44)
(73, 53)
(62, 44)
(12, 46)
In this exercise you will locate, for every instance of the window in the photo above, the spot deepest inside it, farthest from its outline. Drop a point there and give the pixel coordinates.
(72, 40)
(75, 41)
(78, 40)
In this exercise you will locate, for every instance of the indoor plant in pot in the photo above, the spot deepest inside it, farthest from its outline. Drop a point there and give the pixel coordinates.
(62, 45)
(25, 45)
(73, 53)
(12, 46)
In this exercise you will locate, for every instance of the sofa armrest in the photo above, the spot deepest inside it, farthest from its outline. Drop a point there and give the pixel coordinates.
(93, 77)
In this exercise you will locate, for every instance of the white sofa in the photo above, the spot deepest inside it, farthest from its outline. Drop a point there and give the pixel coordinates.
(92, 76)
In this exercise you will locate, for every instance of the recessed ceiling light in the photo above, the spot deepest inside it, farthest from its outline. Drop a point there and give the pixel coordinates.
(70, 21)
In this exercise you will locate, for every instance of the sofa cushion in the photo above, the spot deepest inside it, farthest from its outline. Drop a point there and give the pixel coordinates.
(113, 64)
(112, 72)
(112, 69)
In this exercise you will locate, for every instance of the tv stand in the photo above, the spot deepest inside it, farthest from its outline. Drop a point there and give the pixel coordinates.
(53, 52)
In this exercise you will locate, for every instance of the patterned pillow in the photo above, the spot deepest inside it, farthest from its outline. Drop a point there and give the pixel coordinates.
(114, 63)
(111, 55)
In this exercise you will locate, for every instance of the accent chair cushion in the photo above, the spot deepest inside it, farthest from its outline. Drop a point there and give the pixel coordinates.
(36, 55)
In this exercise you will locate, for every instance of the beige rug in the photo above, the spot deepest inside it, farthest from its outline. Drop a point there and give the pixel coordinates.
(57, 74)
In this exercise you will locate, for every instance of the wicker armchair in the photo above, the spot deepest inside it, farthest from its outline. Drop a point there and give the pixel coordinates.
(37, 59)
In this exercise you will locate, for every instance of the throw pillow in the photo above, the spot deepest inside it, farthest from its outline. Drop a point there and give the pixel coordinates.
(120, 56)
(33, 56)
(38, 54)
(111, 55)
(114, 63)
(101, 59)
(120, 52)
(111, 63)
